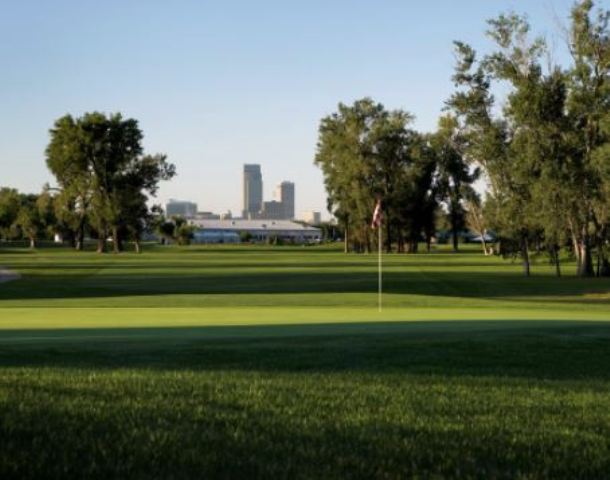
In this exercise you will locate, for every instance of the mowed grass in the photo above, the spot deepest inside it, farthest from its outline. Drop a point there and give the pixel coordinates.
(246, 362)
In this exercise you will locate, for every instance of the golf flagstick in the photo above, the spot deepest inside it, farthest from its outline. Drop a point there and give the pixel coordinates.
(376, 223)
(380, 277)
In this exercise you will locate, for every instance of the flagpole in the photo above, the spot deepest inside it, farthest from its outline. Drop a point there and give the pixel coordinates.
(379, 261)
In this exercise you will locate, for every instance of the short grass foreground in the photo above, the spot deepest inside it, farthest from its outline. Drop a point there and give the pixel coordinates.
(274, 363)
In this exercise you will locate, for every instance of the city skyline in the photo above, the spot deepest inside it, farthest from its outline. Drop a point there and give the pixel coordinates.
(215, 87)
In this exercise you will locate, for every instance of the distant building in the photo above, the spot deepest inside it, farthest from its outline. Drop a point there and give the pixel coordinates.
(273, 210)
(312, 218)
(207, 216)
(284, 193)
(227, 215)
(178, 208)
(252, 190)
(229, 231)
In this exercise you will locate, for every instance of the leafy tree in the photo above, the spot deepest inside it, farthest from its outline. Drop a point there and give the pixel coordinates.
(183, 232)
(475, 217)
(245, 237)
(524, 151)
(365, 152)
(453, 177)
(167, 230)
(9, 210)
(67, 160)
(104, 177)
(29, 219)
(589, 109)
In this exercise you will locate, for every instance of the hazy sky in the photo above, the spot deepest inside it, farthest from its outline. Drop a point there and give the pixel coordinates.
(216, 84)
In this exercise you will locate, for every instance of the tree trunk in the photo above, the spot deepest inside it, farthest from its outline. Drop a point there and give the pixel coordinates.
(454, 235)
(32, 242)
(525, 255)
(605, 268)
(116, 245)
(388, 230)
(603, 265)
(101, 242)
(585, 264)
(413, 246)
(346, 239)
(556, 261)
(137, 245)
(428, 243)
(80, 237)
(400, 247)
(484, 244)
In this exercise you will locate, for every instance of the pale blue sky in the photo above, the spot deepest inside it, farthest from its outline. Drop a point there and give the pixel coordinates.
(218, 84)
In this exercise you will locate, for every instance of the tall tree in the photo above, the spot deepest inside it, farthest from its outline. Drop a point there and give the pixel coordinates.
(454, 178)
(29, 219)
(67, 160)
(589, 108)
(9, 210)
(528, 143)
(365, 152)
(104, 177)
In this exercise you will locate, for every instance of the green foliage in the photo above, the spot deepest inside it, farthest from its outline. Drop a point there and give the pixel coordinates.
(9, 210)
(245, 237)
(104, 177)
(366, 152)
(453, 176)
(184, 234)
(545, 156)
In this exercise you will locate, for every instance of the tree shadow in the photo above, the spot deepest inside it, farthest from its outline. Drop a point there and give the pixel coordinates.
(448, 283)
(522, 349)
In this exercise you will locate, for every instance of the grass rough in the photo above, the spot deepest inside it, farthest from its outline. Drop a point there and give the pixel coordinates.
(274, 363)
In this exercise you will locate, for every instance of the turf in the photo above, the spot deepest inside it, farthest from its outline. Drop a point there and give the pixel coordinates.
(254, 362)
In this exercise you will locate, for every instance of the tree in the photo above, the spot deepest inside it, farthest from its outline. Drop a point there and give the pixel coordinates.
(475, 217)
(104, 177)
(525, 152)
(589, 110)
(166, 230)
(453, 176)
(29, 219)
(365, 152)
(9, 210)
(67, 160)
(184, 232)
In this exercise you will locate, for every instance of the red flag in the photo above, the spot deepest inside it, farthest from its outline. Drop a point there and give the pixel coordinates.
(377, 216)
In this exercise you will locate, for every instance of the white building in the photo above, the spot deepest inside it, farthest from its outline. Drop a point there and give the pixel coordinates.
(230, 231)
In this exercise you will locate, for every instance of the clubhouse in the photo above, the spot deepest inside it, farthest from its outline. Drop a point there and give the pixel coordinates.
(233, 231)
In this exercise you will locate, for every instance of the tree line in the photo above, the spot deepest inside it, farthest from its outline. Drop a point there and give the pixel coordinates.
(103, 184)
(543, 151)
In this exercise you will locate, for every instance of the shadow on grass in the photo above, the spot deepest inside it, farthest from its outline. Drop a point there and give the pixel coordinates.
(286, 281)
(524, 349)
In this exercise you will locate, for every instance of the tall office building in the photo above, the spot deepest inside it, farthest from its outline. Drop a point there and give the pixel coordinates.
(284, 193)
(253, 191)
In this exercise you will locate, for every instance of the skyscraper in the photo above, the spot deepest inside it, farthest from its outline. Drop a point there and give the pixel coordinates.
(253, 191)
(284, 193)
